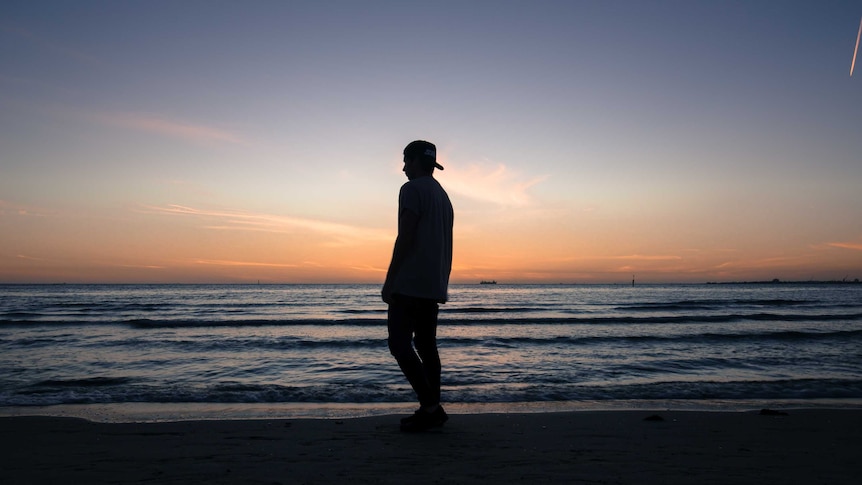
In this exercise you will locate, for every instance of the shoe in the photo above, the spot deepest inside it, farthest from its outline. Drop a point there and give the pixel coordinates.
(412, 416)
(421, 420)
(420, 411)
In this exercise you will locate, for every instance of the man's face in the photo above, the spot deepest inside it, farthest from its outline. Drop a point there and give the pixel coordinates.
(412, 168)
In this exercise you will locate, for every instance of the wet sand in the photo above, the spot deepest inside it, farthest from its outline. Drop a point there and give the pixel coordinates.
(605, 447)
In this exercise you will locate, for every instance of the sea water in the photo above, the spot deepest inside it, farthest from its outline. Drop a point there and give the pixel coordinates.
(324, 346)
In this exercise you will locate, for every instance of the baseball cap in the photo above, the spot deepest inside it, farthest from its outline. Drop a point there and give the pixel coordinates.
(424, 150)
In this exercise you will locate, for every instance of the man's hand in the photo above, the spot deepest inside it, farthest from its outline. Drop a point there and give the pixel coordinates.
(386, 293)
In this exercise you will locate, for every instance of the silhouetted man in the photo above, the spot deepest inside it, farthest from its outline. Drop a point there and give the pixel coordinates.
(418, 280)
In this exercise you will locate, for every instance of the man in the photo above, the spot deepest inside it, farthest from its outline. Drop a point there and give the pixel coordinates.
(418, 280)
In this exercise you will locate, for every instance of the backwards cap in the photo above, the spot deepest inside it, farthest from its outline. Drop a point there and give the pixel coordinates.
(424, 151)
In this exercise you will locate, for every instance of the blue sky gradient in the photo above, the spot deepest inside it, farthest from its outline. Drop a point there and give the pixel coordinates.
(583, 141)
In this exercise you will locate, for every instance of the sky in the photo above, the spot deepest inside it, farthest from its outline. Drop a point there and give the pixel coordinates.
(583, 141)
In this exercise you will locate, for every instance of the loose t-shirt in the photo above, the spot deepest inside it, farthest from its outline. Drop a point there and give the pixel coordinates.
(425, 270)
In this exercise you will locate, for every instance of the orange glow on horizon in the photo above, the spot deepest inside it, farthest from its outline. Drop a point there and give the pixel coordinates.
(181, 244)
(248, 258)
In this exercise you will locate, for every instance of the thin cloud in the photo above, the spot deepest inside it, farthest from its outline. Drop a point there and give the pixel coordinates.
(219, 262)
(593, 260)
(646, 257)
(368, 268)
(236, 220)
(760, 263)
(490, 183)
(843, 245)
(172, 128)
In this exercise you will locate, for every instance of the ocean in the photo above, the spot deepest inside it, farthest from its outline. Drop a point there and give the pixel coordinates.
(320, 350)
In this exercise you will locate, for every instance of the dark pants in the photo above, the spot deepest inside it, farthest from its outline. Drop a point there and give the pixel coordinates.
(413, 322)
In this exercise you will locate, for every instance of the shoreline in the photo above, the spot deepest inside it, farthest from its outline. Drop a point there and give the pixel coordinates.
(667, 447)
(172, 412)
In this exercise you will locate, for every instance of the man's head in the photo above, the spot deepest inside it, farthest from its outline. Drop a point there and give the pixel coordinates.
(420, 158)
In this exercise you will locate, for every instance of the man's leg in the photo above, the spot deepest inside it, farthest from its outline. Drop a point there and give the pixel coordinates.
(425, 341)
(402, 317)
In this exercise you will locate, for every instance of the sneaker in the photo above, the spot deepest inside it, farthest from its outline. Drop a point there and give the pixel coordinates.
(421, 420)
(419, 412)
(412, 416)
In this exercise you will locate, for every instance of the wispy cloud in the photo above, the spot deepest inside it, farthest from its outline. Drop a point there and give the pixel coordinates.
(237, 220)
(140, 266)
(648, 257)
(843, 245)
(221, 262)
(29, 258)
(172, 128)
(489, 182)
(766, 263)
(634, 263)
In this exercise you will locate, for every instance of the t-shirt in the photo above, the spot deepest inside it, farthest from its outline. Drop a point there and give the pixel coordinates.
(425, 271)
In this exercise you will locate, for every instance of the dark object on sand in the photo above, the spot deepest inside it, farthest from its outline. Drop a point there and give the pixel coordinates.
(654, 417)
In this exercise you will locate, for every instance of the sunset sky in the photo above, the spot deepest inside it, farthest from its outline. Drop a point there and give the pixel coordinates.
(584, 141)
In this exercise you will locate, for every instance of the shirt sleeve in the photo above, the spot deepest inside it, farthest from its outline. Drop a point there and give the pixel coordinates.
(408, 199)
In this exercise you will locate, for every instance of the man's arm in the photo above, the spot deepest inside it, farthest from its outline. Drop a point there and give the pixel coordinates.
(408, 223)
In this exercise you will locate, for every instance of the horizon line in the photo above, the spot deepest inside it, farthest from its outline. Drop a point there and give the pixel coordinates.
(515, 283)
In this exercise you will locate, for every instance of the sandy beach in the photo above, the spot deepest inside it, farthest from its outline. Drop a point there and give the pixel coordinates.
(607, 447)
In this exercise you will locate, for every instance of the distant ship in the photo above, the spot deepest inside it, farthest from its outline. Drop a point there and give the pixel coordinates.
(488, 282)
